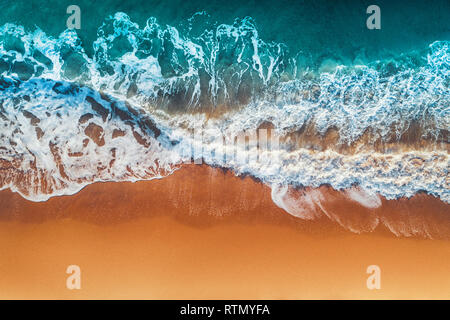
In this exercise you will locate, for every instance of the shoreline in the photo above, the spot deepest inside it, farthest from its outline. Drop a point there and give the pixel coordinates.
(202, 233)
(179, 195)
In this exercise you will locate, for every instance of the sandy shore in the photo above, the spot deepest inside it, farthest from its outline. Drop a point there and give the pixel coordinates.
(203, 233)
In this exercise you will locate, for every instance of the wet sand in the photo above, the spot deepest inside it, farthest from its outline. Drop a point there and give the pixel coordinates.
(203, 233)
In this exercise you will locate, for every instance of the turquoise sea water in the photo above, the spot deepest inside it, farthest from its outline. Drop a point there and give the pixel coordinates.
(218, 41)
(321, 28)
(119, 98)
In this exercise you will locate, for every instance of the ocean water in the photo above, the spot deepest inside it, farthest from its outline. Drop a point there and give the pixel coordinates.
(146, 86)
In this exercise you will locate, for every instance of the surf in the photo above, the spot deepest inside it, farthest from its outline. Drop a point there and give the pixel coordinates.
(144, 101)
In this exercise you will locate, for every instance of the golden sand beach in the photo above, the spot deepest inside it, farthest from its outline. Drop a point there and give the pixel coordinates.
(203, 233)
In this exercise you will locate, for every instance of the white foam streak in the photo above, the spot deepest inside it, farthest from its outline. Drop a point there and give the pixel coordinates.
(365, 198)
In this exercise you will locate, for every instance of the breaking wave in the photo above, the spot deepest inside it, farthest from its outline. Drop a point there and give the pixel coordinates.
(130, 111)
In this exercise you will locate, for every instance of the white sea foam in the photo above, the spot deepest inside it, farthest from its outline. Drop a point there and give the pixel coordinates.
(164, 69)
(367, 199)
(46, 141)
